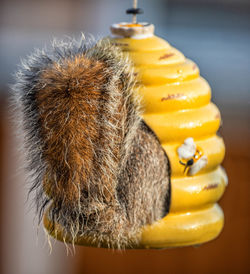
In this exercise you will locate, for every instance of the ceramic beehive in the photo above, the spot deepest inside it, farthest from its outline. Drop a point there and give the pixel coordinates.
(177, 105)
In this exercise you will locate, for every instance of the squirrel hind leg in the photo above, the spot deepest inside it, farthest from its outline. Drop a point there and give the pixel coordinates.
(144, 185)
(143, 194)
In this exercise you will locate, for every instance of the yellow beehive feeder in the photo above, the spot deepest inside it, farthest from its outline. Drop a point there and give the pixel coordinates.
(177, 105)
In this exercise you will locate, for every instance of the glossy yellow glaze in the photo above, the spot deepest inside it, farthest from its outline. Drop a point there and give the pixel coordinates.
(177, 105)
(191, 193)
(182, 229)
(176, 101)
(172, 97)
(179, 125)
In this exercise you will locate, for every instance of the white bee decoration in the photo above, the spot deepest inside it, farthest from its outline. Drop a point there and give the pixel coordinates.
(192, 157)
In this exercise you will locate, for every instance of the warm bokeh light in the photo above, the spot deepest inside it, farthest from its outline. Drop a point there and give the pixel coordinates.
(213, 33)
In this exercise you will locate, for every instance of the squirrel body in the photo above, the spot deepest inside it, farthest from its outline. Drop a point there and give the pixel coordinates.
(95, 165)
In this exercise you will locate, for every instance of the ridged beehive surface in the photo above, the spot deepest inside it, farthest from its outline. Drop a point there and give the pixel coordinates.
(177, 105)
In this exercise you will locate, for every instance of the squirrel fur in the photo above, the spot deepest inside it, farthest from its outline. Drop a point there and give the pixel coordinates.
(95, 165)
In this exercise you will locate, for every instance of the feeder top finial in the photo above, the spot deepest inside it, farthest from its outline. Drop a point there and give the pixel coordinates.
(133, 29)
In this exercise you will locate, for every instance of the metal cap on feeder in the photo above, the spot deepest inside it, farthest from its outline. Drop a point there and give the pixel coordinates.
(133, 29)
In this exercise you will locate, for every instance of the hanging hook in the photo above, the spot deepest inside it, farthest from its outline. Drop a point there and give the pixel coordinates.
(134, 11)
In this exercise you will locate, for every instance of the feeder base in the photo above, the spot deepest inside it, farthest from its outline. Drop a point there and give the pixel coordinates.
(175, 230)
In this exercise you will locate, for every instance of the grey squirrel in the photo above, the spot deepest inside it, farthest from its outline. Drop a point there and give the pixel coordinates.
(95, 165)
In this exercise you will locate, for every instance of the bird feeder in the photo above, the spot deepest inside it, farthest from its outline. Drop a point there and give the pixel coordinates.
(177, 107)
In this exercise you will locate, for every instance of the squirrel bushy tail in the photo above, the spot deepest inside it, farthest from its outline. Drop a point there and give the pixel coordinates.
(95, 165)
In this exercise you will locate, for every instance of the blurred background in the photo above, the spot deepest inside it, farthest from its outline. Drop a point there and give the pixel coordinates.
(213, 33)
